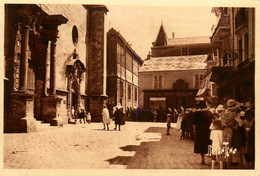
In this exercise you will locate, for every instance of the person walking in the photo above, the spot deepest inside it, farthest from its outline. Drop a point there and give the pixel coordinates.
(119, 119)
(201, 122)
(82, 116)
(229, 123)
(184, 125)
(105, 118)
(168, 121)
(178, 124)
(189, 128)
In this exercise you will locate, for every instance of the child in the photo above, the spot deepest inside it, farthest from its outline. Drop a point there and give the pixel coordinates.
(88, 117)
(216, 135)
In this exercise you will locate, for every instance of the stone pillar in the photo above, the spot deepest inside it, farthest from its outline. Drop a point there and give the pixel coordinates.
(51, 104)
(53, 68)
(21, 117)
(21, 112)
(24, 58)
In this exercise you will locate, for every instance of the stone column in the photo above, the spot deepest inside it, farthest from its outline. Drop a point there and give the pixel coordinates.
(24, 58)
(21, 112)
(51, 104)
(53, 69)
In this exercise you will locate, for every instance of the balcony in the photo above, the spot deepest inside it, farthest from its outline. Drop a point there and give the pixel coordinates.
(221, 28)
(241, 19)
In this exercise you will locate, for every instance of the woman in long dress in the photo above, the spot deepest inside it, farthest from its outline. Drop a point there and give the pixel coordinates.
(105, 117)
(179, 120)
(201, 121)
(119, 119)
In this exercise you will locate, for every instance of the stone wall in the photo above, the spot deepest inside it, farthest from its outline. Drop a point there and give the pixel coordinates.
(95, 62)
(76, 15)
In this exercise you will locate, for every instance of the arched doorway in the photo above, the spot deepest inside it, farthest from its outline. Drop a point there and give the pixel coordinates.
(75, 68)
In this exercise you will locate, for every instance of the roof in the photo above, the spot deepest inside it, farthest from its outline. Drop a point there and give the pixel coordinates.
(161, 39)
(112, 30)
(189, 40)
(96, 7)
(174, 63)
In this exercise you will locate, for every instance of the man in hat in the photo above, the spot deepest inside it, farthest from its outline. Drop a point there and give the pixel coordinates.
(220, 109)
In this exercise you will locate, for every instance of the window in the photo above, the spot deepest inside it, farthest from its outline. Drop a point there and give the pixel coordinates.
(135, 66)
(241, 18)
(118, 53)
(184, 51)
(135, 93)
(122, 56)
(155, 82)
(129, 62)
(129, 92)
(75, 35)
(158, 81)
(121, 90)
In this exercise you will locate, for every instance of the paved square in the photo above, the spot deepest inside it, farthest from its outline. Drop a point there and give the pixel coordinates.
(140, 145)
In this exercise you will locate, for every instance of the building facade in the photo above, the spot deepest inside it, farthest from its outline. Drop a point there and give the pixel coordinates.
(172, 74)
(54, 56)
(233, 40)
(123, 65)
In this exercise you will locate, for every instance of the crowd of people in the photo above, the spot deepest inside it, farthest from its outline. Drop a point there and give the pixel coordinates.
(226, 134)
(149, 115)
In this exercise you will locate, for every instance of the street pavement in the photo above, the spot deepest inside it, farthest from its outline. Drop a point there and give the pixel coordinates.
(139, 145)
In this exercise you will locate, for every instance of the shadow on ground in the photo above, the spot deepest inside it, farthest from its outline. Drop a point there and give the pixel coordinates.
(168, 153)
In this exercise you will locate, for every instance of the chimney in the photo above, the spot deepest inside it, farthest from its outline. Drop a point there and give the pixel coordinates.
(148, 56)
(173, 35)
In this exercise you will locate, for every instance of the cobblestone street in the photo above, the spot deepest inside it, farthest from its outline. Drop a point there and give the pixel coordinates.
(140, 145)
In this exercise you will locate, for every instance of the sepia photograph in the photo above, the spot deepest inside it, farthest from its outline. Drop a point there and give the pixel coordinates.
(109, 88)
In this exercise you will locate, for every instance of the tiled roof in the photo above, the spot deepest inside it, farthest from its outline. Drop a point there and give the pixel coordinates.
(174, 63)
(188, 40)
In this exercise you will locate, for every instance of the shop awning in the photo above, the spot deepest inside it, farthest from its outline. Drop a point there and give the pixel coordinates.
(204, 85)
(220, 74)
(201, 91)
(206, 80)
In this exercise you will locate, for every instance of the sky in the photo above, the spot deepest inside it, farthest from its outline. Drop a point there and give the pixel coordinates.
(139, 25)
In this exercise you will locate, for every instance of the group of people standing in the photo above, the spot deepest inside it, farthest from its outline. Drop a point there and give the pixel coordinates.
(118, 114)
(82, 116)
(226, 134)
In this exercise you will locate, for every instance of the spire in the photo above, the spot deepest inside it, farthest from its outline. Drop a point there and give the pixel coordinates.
(161, 39)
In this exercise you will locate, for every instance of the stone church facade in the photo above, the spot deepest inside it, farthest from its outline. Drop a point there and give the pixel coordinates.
(54, 61)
